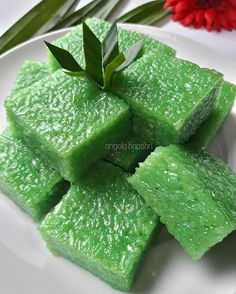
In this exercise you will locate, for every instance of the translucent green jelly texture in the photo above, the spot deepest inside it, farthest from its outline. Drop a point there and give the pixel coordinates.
(29, 73)
(69, 120)
(31, 182)
(168, 97)
(103, 225)
(73, 41)
(208, 129)
(128, 153)
(193, 193)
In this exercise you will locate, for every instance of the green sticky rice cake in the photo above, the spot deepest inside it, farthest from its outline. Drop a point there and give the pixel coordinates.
(194, 195)
(73, 41)
(169, 97)
(31, 182)
(69, 120)
(103, 225)
(129, 153)
(29, 73)
(128, 38)
(136, 150)
(208, 129)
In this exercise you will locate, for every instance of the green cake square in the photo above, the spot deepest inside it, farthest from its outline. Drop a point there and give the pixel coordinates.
(30, 72)
(127, 38)
(103, 225)
(169, 97)
(193, 193)
(129, 153)
(135, 150)
(31, 182)
(69, 120)
(208, 129)
(73, 41)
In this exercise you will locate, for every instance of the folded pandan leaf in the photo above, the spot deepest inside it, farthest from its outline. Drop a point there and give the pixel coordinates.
(64, 58)
(103, 60)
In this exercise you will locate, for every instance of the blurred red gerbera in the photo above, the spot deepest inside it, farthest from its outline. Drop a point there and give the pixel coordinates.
(211, 14)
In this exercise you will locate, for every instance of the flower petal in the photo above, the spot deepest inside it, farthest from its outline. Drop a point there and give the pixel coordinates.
(217, 25)
(223, 18)
(213, 15)
(210, 15)
(188, 20)
(169, 3)
(182, 5)
(233, 2)
(200, 19)
(179, 16)
(232, 13)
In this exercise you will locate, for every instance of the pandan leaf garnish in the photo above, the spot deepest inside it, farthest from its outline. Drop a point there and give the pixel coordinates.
(103, 59)
(64, 58)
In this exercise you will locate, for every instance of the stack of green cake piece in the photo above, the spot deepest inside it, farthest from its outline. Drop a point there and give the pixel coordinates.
(65, 129)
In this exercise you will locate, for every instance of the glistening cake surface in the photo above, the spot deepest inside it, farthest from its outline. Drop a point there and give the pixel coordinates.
(169, 97)
(31, 182)
(69, 120)
(128, 153)
(103, 225)
(193, 193)
(29, 73)
(208, 129)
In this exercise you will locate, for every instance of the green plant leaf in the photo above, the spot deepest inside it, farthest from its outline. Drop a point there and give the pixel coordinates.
(38, 20)
(131, 54)
(75, 73)
(147, 13)
(93, 55)
(103, 60)
(64, 58)
(110, 45)
(72, 8)
(96, 8)
(107, 9)
(78, 16)
(111, 69)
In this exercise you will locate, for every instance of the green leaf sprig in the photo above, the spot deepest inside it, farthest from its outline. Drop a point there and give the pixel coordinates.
(146, 14)
(103, 59)
(96, 8)
(39, 19)
(50, 15)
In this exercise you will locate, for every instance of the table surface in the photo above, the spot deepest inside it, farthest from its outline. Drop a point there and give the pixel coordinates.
(225, 42)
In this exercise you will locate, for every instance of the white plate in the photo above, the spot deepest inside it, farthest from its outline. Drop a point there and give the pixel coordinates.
(27, 267)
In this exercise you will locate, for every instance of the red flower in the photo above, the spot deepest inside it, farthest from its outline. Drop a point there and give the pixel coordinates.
(211, 14)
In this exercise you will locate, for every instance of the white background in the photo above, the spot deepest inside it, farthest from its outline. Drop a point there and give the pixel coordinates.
(225, 42)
